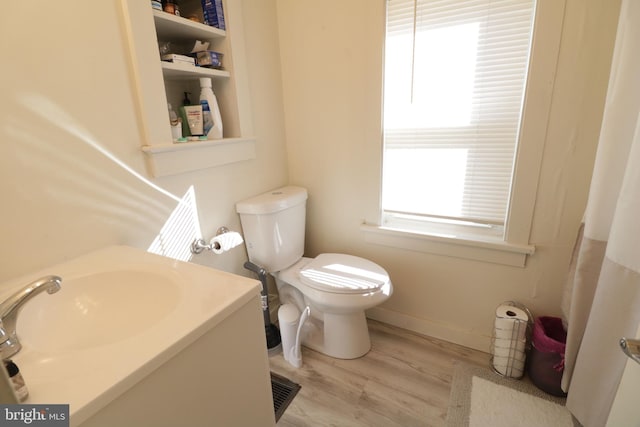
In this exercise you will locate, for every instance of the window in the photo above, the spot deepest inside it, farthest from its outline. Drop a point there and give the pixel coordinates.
(454, 87)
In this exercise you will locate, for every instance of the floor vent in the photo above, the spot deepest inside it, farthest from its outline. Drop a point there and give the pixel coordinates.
(283, 391)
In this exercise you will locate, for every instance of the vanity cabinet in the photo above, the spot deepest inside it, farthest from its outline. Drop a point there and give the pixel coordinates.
(157, 83)
(145, 340)
(212, 382)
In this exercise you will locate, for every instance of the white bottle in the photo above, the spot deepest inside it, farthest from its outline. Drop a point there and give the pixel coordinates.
(206, 94)
(176, 124)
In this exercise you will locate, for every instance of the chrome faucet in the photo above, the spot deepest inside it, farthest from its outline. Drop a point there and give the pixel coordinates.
(9, 309)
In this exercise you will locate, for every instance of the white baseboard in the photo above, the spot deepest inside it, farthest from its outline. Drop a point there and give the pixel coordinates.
(432, 329)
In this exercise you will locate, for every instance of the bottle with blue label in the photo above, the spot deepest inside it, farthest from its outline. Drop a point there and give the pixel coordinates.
(212, 119)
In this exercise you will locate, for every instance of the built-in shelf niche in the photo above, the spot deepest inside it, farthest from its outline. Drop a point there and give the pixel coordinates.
(158, 82)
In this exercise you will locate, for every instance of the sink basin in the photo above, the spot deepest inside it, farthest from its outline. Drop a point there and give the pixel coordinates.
(99, 308)
(120, 316)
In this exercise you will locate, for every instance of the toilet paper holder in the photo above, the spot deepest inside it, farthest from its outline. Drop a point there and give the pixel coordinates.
(509, 347)
(199, 245)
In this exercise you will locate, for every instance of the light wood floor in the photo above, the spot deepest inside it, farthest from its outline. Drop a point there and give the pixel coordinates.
(404, 381)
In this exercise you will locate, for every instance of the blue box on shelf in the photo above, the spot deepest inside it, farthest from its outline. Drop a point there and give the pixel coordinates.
(208, 58)
(213, 13)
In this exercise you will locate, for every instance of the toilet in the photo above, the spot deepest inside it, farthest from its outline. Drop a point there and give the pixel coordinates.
(337, 288)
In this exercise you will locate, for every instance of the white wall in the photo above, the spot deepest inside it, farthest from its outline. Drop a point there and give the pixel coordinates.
(331, 65)
(65, 72)
(61, 197)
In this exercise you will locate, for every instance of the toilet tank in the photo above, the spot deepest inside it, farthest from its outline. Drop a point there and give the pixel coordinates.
(273, 227)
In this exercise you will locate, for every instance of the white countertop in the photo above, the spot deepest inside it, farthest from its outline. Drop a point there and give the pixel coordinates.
(90, 372)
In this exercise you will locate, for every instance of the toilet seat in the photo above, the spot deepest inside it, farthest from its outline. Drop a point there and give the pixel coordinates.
(344, 274)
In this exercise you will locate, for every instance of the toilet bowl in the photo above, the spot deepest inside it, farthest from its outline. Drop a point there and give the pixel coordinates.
(337, 288)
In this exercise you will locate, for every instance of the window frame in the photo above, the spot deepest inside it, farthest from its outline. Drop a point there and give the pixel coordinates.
(512, 248)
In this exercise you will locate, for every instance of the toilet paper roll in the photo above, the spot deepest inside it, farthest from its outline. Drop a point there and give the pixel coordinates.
(225, 241)
(510, 329)
(511, 323)
(509, 352)
(510, 340)
(506, 345)
(505, 311)
(514, 369)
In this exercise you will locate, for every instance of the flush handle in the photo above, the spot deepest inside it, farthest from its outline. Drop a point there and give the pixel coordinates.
(631, 348)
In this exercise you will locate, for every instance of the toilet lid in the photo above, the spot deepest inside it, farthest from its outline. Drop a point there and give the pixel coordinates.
(340, 273)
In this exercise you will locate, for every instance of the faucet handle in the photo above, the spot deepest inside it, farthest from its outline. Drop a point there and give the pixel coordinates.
(9, 344)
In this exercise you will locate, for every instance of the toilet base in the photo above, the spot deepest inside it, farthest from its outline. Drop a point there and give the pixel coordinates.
(343, 336)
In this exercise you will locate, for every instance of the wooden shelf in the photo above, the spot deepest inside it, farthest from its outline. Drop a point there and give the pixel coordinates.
(177, 71)
(176, 28)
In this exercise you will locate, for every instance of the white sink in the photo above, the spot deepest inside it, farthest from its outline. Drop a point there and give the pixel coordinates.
(97, 309)
(123, 316)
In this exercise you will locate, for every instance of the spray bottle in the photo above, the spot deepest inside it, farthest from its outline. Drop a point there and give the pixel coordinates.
(207, 95)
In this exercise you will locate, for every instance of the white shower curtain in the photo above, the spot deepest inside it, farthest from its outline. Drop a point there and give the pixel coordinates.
(603, 302)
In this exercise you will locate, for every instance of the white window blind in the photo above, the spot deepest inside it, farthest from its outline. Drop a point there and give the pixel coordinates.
(455, 74)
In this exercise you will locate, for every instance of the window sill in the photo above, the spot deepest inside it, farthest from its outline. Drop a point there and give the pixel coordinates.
(486, 250)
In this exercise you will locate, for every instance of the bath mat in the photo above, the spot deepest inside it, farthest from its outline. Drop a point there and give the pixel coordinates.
(480, 397)
(283, 390)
